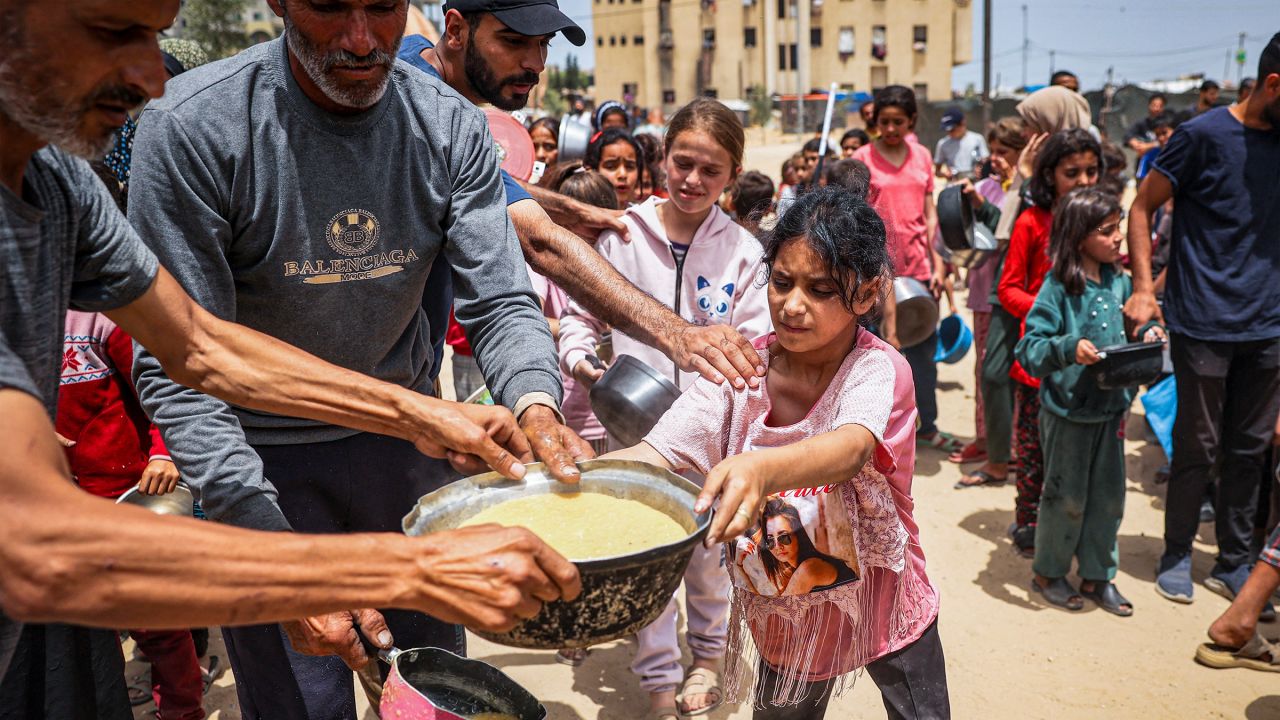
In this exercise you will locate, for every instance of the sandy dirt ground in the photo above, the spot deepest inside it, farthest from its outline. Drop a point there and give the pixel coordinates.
(1009, 655)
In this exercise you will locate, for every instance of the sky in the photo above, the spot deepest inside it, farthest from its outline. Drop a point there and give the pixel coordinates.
(1142, 39)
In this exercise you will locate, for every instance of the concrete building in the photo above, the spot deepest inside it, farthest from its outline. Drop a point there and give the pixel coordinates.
(666, 52)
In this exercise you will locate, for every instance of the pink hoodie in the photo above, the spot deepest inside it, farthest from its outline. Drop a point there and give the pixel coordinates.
(720, 283)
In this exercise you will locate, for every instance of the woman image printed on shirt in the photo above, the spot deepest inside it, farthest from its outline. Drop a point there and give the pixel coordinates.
(791, 561)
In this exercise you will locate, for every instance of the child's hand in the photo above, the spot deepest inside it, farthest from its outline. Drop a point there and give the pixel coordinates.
(1086, 352)
(1154, 334)
(740, 484)
(1027, 158)
(969, 191)
(159, 478)
(586, 374)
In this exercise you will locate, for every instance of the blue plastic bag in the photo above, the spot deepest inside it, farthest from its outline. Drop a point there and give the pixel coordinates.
(1161, 405)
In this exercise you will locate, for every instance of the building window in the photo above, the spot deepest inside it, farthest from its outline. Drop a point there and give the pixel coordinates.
(749, 37)
(613, 40)
(599, 38)
(795, 56)
(782, 9)
(782, 56)
(815, 37)
(708, 38)
(920, 38)
(637, 40)
(878, 48)
(844, 43)
(622, 41)
(922, 92)
(669, 97)
(711, 93)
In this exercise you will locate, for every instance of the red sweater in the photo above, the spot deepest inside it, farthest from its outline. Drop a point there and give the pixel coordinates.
(99, 410)
(1025, 266)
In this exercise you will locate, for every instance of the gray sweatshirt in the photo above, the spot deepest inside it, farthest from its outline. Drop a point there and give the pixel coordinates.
(321, 230)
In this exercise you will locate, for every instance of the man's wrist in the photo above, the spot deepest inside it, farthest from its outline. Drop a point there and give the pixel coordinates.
(534, 400)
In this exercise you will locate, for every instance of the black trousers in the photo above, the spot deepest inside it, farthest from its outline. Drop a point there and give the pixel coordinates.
(362, 483)
(1228, 398)
(912, 682)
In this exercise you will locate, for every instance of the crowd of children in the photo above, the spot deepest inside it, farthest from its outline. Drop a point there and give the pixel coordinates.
(816, 570)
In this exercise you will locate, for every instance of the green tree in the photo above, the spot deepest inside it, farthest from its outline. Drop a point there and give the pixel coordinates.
(761, 106)
(554, 103)
(216, 24)
(572, 74)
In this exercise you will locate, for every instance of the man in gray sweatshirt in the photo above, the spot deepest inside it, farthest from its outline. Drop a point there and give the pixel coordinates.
(306, 188)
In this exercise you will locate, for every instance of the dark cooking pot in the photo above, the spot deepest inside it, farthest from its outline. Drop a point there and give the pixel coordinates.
(630, 398)
(917, 311)
(1131, 365)
(964, 242)
(620, 594)
(435, 684)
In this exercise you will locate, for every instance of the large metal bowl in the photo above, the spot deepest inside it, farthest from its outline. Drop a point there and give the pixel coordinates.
(179, 502)
(620, 594)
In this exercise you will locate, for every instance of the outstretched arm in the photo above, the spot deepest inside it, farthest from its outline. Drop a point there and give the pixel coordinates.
(72, 557)
(716, 352)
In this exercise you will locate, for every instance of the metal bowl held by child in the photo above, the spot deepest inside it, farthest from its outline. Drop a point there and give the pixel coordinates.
(917, 311)
(1126, 366)
(180, 502)
(631, 398)
(965, 243)
(620, 594)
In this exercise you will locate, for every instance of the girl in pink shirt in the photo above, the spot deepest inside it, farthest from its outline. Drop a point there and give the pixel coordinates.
(812, 471)
(902, 186)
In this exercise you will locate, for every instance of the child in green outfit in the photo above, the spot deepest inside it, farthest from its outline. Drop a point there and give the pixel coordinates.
(1077, 311)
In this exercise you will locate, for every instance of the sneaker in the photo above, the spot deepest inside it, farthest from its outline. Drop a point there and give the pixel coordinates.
(1173, 578)
(1227, 583)
(1207, 514)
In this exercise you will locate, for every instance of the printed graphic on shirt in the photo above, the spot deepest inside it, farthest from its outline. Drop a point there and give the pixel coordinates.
(82, 360)
(716, 302)
(353, 233)
(802, 543)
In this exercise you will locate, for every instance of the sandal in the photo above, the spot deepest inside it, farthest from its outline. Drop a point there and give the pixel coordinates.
(945, 442)
(1059, 592)
(1024, 539)
(1257, 654)
(973, 452)
(981, 477)
(573, 657)
(1108, 598)
(701, 681)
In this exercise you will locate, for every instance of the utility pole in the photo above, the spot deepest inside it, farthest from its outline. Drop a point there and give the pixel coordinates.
(1026, 45)
(986, 64)
(1053, 66)
(1240, 61)
(802, 61)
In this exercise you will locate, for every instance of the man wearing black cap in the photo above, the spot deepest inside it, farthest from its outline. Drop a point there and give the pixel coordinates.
(961, 151)
(492, 51)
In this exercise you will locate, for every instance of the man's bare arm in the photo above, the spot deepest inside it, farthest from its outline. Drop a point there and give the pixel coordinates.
(247, 368)
(72, 557)
(578, 217)
(1154, 191)
(715, 352)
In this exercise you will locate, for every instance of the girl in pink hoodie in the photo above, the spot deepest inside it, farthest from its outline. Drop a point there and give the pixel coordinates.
(690, 254)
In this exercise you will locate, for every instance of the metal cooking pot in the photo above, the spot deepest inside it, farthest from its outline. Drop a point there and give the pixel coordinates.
(917, 313)
(965, 243)
(180, 502)
(1129, 365)
(620, 594)
(630, 398)
(573, 139)
(435, 684)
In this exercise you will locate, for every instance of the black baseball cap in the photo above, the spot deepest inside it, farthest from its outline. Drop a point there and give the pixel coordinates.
(527, 17)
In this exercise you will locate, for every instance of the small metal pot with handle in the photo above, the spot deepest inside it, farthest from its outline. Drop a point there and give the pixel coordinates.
(630, 398)
(435, 684)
